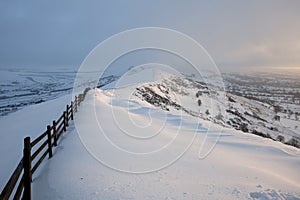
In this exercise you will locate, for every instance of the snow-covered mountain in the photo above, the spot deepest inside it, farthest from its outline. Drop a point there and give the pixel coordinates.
(198, 99)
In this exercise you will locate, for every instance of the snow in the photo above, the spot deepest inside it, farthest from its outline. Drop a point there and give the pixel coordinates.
(22, 87)
(226, 109)
(121, 147)
(29, 121)
(241, 166)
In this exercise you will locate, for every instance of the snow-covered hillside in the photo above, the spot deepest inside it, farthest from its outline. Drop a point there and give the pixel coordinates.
(200, 100)
(127, 143)
(22, 87)
(156, 140)
(87, 165)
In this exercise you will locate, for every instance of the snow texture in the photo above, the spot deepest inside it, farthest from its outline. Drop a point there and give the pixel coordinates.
(240, 166)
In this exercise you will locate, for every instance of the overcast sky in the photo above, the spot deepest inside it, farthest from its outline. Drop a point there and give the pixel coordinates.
(237, 34)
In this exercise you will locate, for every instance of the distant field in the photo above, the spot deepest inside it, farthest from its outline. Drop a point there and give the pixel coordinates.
(19, 88)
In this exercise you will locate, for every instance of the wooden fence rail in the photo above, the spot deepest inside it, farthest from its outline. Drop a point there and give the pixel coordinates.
(32, 159)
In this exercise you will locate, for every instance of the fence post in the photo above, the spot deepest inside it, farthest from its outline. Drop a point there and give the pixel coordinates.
(79, 99)
(72, 107)
(65, 128)
(27, 168)
(49, 141)
(67, 117)
(54, 132)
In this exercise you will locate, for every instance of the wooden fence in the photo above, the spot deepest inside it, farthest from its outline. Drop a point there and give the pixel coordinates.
(43, 146)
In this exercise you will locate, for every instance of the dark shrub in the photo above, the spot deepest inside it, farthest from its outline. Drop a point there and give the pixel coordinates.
(280, 138)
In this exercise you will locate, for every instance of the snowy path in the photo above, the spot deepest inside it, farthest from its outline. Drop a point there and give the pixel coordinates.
(241, 166)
